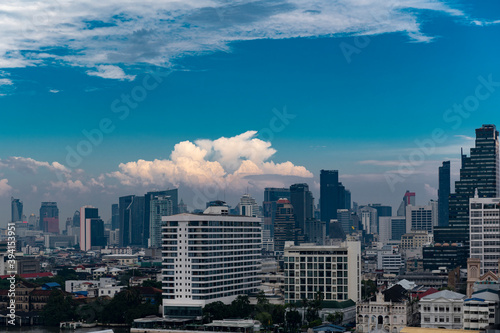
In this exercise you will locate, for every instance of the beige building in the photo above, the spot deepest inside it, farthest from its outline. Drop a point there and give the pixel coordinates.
(415, 239)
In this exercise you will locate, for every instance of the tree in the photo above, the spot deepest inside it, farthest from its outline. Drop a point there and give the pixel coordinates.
(313, 306)
(59, 308)
(151, 283)
(335, 318)
(368, 288)
(214, 311)
(293, 320)
(241, 307)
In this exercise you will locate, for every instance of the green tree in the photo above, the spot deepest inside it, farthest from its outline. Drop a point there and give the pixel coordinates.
(293, 320)
(151, 283)
(241, 307)
(215, 311)
(335, 318)
(59, 308)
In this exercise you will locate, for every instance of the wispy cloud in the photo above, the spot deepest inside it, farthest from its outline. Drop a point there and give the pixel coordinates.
(105, 37)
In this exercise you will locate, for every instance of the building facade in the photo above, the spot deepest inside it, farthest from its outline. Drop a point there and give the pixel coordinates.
(208, 258)
(443, 309)
(333, 271)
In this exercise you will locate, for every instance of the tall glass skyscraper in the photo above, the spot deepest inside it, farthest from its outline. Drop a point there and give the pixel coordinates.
(17, 210)
(271, 197)
(303, 204)
(479, 171)
(332, 195)
(444, 194)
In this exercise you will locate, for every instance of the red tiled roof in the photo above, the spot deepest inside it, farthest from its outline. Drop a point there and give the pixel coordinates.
(30, 275)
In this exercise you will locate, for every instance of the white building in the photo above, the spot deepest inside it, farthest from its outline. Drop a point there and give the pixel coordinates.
(390, 261)
(481, 310)
(421, 217)
(485, 232)
(248, 206)
(334, 271)
(369, 218)
(442, 310)
(207, 258)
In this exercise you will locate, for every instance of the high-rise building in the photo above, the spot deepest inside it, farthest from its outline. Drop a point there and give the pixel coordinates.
(91, 229)
(408, 199)
(49, 217)
(478, 171)
(33, 221)
(421, 218)
(271, 197)
(159, 206)
(284, 226)
(345, 219)
(347, 199)
(398, 227)
(332, 195)
(303, 204)
(115, 216)
(369, 218)
(248, 206)
(484, 214)
(76, 219)
(222, 262)
(381, 211)
(132, 213)
(173, 194)
(444, 194)
(336, 271)
(16, 210)
(182, 207)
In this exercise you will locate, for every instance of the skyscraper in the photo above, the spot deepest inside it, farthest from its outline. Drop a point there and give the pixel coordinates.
(159, 205)
(173, 194)
(444, 194)
(248, 206)
(303, 204)
(49, 217)
(284, 226)
(16, 210)
(332, 195)
(115, 216)
(478, 171)
(408, 199)
(76, 219)
(131, 209)
(91, 229)
(271, 196)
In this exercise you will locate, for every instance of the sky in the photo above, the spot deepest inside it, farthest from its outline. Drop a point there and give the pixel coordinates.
(219, 98)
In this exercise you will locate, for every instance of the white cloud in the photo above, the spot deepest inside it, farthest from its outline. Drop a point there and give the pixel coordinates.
(5, 188)
(5, 82)
(54, 91)
(76, 185)
(111, 72)
(24, 164)
(222, 162)
(108, 35)
(431, 191)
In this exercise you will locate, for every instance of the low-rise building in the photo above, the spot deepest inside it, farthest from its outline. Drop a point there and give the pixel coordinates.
(442, 310)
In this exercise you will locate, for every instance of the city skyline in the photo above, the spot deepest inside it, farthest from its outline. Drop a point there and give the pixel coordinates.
(361, 91)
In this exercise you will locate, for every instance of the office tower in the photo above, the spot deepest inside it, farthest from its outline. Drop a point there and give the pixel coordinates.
(182, 207)
(131, 209)
(336, 271)
(32, 221)
(76, 219)
(398, 227)
(332, 195)
(271, 197)
(303, 204)
(284, 226)
(369, 218)
(115, 216)
(421, 218)
(222, 262)
(49, 217)
(478, 171)
(381, 211)
(345, 220)
(385, 229)
(173, 194)
(16, 210)
(159, 206)
(347, 199)
(91, 229)
(484, 214)
(315, 231)
(248, 206)
(444, 193)
(408, 199)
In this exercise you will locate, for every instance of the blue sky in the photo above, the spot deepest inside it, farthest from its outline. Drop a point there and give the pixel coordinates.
(359, 81)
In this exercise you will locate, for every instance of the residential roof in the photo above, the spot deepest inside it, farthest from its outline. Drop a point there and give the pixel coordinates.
(448, 294)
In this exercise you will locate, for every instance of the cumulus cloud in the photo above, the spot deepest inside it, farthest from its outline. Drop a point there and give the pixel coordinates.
(111, 72)
(106, 36)
(431, 191)
(5, 82)
(5, 188)
(69, 184)
(221, 162)
(27, 164)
